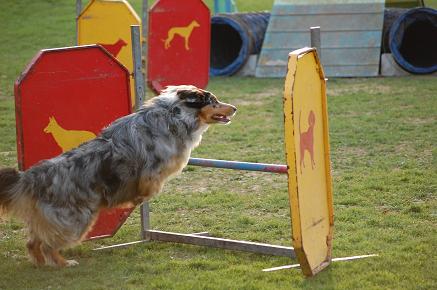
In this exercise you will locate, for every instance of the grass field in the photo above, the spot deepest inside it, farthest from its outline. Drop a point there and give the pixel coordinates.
(384, 166)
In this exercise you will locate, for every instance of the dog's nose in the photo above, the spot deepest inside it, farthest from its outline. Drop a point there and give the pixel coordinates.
(234, 108)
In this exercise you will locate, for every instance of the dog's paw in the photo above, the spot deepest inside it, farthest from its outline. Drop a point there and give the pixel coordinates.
(71, 263)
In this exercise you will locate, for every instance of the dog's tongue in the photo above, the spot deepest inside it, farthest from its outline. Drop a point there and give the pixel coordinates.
(221, 118)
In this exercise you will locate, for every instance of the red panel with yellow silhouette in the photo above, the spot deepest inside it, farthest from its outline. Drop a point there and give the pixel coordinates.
(65, 97)
(179, 43)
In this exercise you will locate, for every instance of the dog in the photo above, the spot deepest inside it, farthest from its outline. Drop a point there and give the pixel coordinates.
(184, 31)
(307, 140)
(125, 165)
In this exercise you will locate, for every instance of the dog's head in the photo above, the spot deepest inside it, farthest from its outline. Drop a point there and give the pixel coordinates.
(311, 119)
(203, 104)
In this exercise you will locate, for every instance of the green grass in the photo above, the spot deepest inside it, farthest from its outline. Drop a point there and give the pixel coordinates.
(383, 150)
(431, 3)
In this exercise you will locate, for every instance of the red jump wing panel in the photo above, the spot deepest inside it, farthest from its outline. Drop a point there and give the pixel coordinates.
(64, 98)
(179, 43)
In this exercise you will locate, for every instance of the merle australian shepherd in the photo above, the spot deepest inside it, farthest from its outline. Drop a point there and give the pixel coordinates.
(128, 163)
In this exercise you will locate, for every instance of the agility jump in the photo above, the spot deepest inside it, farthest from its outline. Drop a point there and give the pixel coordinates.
(310, 189)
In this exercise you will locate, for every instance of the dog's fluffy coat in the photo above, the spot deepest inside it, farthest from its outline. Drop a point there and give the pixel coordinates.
(126, 164)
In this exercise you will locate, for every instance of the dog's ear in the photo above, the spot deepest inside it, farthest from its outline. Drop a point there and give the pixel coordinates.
(193, 98)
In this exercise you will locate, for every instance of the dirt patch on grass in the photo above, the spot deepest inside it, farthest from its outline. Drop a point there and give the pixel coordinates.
(408, 149)
(240, 103)
(350, 151)
(258, 99)
(420, 121)
(353, 88)
(204, 180)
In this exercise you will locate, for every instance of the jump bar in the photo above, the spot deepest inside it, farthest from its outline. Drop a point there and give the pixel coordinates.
(237, 165)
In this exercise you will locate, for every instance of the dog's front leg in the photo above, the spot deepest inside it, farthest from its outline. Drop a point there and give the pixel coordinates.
(34, 250)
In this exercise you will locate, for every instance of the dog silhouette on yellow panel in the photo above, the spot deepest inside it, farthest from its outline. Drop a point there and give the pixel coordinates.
(184, 32)
(307, 140)
(67, 139)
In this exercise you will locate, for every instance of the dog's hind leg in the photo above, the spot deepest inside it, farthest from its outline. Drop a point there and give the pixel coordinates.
(302, 158)
(35, 253)
(313, 164)
(54, 258)
(45, 241)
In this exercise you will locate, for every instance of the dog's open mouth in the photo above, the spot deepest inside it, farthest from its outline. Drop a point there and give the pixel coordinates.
(221, 118)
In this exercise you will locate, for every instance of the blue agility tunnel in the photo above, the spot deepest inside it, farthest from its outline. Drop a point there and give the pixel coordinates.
(413, 40)
(234, 37)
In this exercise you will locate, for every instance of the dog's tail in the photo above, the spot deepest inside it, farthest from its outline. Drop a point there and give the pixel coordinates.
(9, 178)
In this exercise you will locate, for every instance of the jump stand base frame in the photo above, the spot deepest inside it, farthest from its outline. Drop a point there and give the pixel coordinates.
(202, 239)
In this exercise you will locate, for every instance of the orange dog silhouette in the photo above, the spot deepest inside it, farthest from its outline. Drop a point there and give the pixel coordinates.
(67, 139)
(184, 31)
(307, 140)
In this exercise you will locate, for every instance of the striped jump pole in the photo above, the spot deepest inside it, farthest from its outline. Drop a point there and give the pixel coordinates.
(237, 165)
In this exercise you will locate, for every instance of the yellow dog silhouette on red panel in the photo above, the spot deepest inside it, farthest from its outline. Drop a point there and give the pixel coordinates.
(183, 31)
(67, 139)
